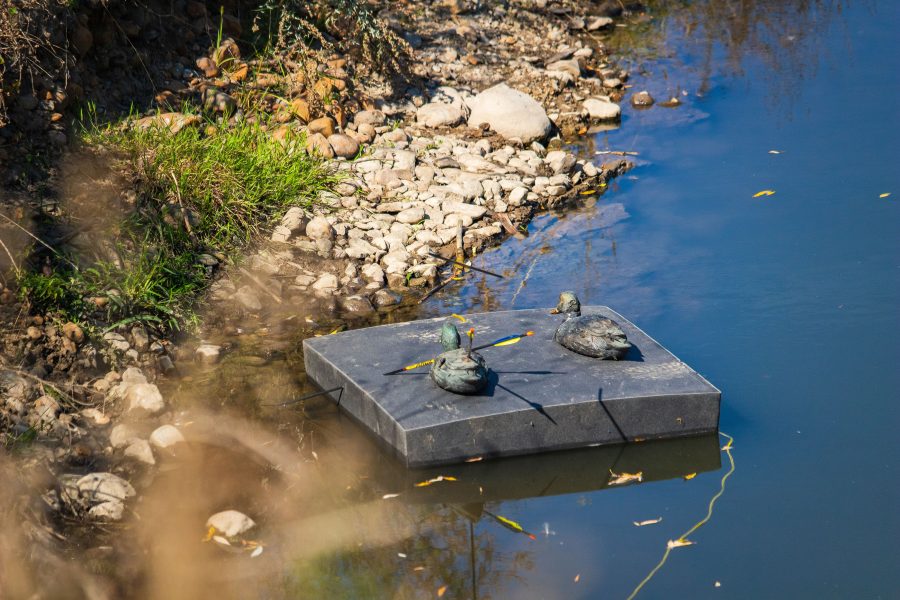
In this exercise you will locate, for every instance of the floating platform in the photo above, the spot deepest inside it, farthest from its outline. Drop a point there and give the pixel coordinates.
(540, 396)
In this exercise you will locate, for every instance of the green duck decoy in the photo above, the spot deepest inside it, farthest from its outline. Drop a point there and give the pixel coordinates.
(590, 335)
(458, 370)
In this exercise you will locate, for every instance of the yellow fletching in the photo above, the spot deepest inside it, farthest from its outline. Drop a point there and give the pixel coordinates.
(509, 342)
(417, 365)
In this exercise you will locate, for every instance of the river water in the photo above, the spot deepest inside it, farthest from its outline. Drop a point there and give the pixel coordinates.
(787, 302)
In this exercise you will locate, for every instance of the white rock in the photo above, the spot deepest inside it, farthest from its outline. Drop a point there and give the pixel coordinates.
(107, 511)
(373, 273)
(166, 436)
(230, 523)
(438, 114)
(404, 160)
(141, 451)
(560, 161)
(470, 210)
(325, 284)
(208, 354)
(122, 435)
(411, 215)
(248, 298)
(454, 219)
(602, 109)
(359, 248)
(517, 195)
(319, 228)
(280, 234)
(510, 113)
(145, 399)
(133, 375)
(96, 488)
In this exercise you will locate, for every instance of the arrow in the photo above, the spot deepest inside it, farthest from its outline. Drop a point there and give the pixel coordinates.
(504, 341)
(464, 265)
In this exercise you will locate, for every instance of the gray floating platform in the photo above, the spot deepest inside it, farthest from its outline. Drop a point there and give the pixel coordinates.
(541, 397)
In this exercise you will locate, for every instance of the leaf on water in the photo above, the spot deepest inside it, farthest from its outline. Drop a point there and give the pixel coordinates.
(623, 478)
(763, 193)
(774, 151)
(689, 476)
(257, 552)
(727, 446)
(718, 584)
(221, 540)
(475, 459)
(884, 195)
(435, 480)
(647, 522)
(389, 496)
(401, 555)
(419, 568)
(577, 577)
(679, 543)
(441, 591)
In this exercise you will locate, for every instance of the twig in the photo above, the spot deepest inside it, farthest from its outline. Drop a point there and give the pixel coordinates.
(9, 254)
(187, 223)
(464, 265)
(259, 283)
(53, 387)
(41, 242)
(437, 288)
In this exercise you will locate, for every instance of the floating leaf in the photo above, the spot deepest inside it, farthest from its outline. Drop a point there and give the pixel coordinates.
(647, 522)
(435, 480)
(389, 496)
(623, 478)
(577, 577)
(679, 543)
(441, 591)
(774, 151)
(884, 195)
(401, 555)
(763, 193)
(475, 459)
(221, 540)
(419, 568)
(718, 584)
(689, 476)
(209, 533)
(257, 552)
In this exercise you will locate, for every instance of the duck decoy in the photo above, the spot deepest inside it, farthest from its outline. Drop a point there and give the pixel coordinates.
(590, 335)
(458, 370)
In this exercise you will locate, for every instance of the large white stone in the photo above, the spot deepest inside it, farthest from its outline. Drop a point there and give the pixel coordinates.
(230, 523)
(166, 436)
(510, 113)
(601, 109)
(96, 488)
(145, 399)
(438, 114)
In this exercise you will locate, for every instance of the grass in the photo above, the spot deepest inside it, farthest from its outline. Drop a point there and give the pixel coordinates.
(207, 190)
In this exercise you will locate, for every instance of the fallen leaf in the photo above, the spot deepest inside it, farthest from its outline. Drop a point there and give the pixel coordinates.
(419, 568)
(435, 480)
(623, 478)
(647, 522)
(774, 151)
(475, 459)
(884, 195)
(221, 540)
(389, 496)
(577, 577)
(209, 533)
(587, 192)
(257, 552)
(401, 555)
(763, 193)
(441, 591)
(689, 476)
(680, 542)
(718, 584)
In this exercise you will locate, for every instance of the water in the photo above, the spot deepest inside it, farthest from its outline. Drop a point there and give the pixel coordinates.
(788, 303)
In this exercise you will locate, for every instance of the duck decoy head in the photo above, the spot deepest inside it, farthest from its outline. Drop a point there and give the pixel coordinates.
(449, 337)
(568, 305)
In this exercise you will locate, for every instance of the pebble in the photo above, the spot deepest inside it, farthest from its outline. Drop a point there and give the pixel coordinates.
(230, 523)
(144, 399)
(344, 146)
(140, 451)
(121, 435)
(439, 114)
(319, 228)
(165, 437)
(208, 354)
(248, 298)
(642, 100)
(602, 109)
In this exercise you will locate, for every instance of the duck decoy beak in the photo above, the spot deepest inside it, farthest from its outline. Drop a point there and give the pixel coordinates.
(554, 311)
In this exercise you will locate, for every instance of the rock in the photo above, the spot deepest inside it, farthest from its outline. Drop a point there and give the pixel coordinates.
(316, 143)
(356, 304)
(145, 399)
(173, 121)
(560, 161)
(359, 249)
(326, 284)
(404, 160)
(322, 125)
(570, 66)
(208, 354)
(107, 511)
(280, 234)
(510, 113)
(369, 117)
(319, 228)
(294, 219)
(248, 298)
(139, 338)
(599, 23)
(97, 488)
(140, 451)
(517, 196)
(46, 408)
(300, 108)
(73, 332)
(642, 100)
(365, 133)
(230, 523)
(344, 146)
(82, 40)
(411, 215)
(460, 208)
(116, 341)
(601, 109)
(165, 437)
(384, 298)
(129, 376)
(218, 101)
(122, 435)
(438, 114)
(373, 273)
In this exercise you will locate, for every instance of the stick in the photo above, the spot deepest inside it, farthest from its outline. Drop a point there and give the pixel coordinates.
(464, 265)
(308, 396)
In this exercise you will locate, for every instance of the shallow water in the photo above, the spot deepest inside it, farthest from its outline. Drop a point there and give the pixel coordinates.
(788, 303)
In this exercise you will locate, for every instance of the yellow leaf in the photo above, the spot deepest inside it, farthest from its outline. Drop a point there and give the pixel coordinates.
(647, 522)
(884, 195)
(419, 568)
(441, 591)
(727, 446)
(435, 480)
(587, 192)
(689, 476)
(623, 478)
(680, 542)
(577, 577)
(461, 318)
(763, 193)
